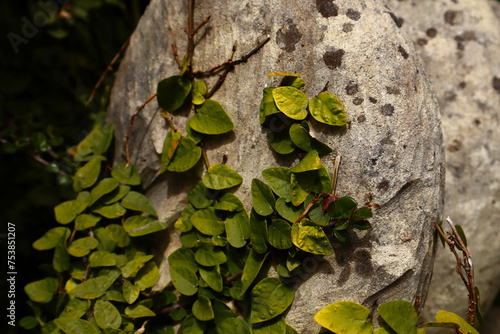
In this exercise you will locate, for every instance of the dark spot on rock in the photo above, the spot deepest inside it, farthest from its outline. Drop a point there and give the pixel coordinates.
(421, 41)
(403, 52)
(477, 122)
(455, 146)
(349, 125)
(387, 140)
(333, 59)
(327, 8)
(372, 100)
(404, 147)
(398, 20)
(483, 106)
(431, 32)
(357, 101)
(351, 88)
(353, 14)
(392, 90)
(288, 36)
(453, 17)
(383, 185)
(361, 118)
(467, 36)
(496, 84)
(347, 27)
(462, 85)
(387, 109)
(374, 162)
(450, 96)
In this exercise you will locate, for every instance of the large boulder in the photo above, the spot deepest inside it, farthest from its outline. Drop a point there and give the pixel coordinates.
(392, 147)
(459, 42)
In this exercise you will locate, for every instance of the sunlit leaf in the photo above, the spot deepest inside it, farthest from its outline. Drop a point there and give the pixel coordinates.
(400, 315)
(310, 238)
(199, 92)
(346, 318)
(327, 108)
(291, 101)
(310, 162)
(220, 176)
(211, 119)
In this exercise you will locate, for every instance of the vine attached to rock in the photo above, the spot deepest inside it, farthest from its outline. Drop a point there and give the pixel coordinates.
(102, 272)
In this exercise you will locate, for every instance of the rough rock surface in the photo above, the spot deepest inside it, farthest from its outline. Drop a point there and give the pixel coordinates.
(496, 7)
(391, 148)
(459, 42)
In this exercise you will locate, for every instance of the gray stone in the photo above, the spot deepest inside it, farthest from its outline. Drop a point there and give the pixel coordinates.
(459, 43)
(391, 148)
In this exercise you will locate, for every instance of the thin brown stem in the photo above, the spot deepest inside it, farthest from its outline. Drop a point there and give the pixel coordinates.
(169, 120)
(307, 209)
(454, 238)
(190, 49)
(205, 156)
(231, 63)
(233, 278)
(109, 68)
(35, 157)
(132, 119)
(176, 56)
(202, 24)
(335, 173)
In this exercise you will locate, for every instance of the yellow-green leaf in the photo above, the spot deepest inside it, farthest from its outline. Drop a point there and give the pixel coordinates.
(345, 318)
(291, 101)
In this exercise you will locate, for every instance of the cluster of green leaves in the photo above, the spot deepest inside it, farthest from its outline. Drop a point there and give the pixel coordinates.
(100, 271)
(400, 317)
(284, 110)
(181, 153)
(225, 249)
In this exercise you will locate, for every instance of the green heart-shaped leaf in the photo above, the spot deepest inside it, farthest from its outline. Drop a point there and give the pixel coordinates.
(211, 119)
